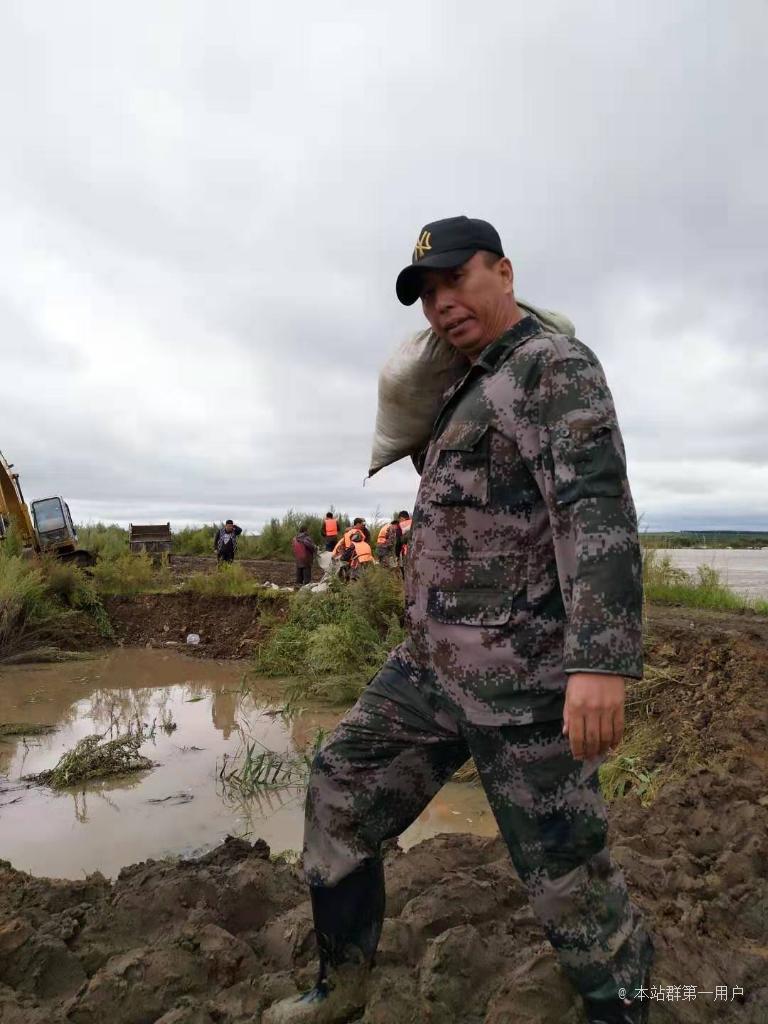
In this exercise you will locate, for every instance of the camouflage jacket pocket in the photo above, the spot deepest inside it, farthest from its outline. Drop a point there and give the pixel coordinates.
(460, 473)
(475, 607)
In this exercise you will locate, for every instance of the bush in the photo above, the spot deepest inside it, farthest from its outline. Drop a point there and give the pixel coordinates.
(126, 575)
(103, 541)
(275, 539)
(39, 606)
(333, 641)
(228, 580)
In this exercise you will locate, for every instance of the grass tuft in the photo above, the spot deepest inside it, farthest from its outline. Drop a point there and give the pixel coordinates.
(254, 769)
(229, 580)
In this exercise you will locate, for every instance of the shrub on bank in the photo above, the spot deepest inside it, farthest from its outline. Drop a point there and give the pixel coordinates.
(39, 605)
(667, 584)
(228, 580)
(126, 575)
(331, 642)
(104, 541)
(275, 539)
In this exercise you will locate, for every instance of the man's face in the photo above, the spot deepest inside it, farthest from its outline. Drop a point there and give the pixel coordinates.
(468, 306)
(229, 527)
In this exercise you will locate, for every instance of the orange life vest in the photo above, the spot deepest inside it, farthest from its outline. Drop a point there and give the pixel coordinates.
(331, 528)
(383, 534)
(363, 552)
(344, 541)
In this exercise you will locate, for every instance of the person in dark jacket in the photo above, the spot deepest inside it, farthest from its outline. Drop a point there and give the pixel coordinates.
(304, 549)
(225, 542)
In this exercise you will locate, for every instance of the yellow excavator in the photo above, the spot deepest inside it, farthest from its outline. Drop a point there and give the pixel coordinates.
(45, 527)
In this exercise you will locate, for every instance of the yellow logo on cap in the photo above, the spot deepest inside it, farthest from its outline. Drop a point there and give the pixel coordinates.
(423, 245)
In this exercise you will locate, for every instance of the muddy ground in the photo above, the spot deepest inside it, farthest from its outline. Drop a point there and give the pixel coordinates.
(214, 940)
(228, 627)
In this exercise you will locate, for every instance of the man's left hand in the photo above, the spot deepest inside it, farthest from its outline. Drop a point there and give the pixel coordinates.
(593, 718)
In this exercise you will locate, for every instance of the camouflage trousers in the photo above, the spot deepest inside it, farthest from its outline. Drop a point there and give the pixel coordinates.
(392, 753)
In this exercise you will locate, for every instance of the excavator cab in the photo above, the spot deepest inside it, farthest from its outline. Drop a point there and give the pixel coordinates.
(54, 527)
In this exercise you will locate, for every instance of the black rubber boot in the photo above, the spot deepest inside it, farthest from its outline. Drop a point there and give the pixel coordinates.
(348, 919)
(619, 1011)
(348, 916)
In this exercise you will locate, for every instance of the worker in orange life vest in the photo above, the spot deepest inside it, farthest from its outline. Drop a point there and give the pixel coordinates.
(358, 554)
(330, 531)
(343, 544)
(386, 542)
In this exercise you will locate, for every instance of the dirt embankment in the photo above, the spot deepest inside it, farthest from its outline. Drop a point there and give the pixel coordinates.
(228, 627)
(212, 941)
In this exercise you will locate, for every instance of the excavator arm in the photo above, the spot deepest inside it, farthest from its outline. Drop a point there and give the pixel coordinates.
(13, 508)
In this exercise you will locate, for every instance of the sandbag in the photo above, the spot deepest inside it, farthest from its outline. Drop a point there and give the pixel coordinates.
(414, 380)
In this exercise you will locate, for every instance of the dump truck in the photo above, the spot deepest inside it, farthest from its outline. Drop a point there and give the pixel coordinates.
(155, 539)
(44, 527)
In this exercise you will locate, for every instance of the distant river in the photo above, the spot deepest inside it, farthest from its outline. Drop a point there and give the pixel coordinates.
(746, 572)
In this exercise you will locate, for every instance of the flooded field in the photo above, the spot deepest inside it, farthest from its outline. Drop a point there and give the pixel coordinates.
(745, 571)
(180, 806)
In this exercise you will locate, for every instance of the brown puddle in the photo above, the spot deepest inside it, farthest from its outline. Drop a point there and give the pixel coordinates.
(106, 825)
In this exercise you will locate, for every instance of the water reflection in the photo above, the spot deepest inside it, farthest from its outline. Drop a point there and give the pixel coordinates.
(106, 824)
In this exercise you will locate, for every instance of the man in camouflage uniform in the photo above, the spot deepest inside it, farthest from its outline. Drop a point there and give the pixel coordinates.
(523, 608)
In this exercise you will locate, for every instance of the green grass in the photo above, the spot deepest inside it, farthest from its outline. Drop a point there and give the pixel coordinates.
(330, 643)
(105, 541)
(666, 584)
(255, 769)
(129, 574)
(627, 772)
(227, 580)
(45, 606)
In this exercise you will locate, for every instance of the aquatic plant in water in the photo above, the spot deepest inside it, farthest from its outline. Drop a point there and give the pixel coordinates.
(95, 758)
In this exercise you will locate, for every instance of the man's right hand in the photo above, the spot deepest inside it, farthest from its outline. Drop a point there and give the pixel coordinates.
(593, 717)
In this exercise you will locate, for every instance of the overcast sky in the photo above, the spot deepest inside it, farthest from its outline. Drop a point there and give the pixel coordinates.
(204, 206)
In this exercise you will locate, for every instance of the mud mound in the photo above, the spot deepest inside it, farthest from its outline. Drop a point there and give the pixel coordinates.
(705, 701)
(229, 627)
(215, 940)
(218, 938)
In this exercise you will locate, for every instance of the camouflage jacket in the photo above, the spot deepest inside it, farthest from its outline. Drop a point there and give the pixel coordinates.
(524, 561)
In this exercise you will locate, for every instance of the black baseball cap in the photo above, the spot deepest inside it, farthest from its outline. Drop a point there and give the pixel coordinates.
(442, 244)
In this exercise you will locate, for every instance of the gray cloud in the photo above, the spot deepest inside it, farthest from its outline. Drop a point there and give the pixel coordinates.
(204, 210)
